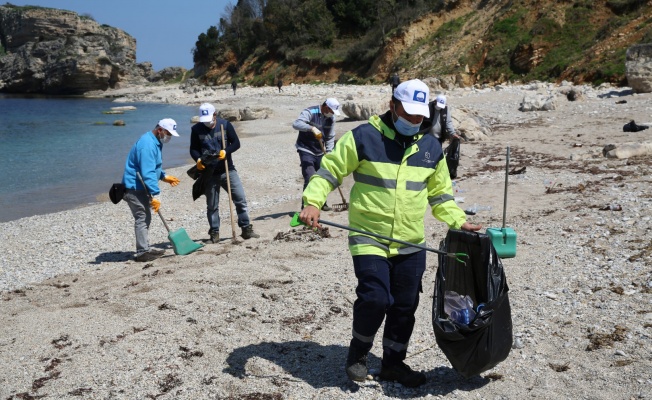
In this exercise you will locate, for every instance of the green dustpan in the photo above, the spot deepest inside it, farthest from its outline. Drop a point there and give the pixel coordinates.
(504, 239)
(181, 242)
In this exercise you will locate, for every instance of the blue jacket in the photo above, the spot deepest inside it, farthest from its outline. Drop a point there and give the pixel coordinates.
(146, 157)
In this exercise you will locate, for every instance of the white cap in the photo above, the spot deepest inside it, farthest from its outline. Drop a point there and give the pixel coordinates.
(414, 95)
(441, 101)
(206, 112)
(169, 125)
(334, 105)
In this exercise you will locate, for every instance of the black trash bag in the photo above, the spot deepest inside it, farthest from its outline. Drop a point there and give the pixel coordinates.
(487, 339)
(193, 173)
(202, 178)
(117, 192)
(632, 127)
(453, 157)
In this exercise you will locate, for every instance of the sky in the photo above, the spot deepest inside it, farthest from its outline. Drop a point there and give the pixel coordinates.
(165, 31)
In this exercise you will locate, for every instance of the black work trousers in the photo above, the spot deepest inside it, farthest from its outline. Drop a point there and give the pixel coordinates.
(388, 289)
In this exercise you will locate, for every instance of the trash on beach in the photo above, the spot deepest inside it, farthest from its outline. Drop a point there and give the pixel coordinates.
(633, 127)
(612, 207)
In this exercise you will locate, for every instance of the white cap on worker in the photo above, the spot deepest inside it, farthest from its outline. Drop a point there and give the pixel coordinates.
(206, 112)
(169, 125)
(414, 95)
(334, 105)
(441, 101)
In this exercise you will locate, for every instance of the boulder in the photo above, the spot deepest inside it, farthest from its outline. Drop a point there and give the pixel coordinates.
(249, 114)
(230, 114)
(363, 110)
(470, 125)
(538, 102)
(638, 66)
(627, 150)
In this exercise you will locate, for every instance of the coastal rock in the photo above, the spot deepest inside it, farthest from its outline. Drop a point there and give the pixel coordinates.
(470, 125)
(538, 102)
(230, 114)
(363, 110)
(250, 114)
(638, 65)
(60, 52)
(627, 150)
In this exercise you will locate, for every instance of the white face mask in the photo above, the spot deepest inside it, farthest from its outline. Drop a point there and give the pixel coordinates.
(166, 138)
(211, 123)
(328, 115)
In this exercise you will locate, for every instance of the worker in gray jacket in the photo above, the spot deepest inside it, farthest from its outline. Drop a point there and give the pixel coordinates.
(442, 123)
(316, 126)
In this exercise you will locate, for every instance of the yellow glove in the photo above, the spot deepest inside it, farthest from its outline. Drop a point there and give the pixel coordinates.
(155, 203)
(317, 133)
(222, 155)
(172, 180)
(200, 166)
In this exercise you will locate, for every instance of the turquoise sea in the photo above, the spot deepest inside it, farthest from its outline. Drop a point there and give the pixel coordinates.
(55, 155)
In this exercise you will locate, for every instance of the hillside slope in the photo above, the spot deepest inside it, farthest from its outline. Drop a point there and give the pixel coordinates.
(484, 41)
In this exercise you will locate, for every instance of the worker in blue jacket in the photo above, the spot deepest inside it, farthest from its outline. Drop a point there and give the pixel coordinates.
(146, 158)
(399, 171)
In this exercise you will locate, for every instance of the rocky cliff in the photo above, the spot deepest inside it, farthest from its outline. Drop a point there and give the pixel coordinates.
(53, 51)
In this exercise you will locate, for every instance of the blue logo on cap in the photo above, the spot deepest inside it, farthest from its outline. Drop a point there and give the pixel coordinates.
(419, 96)
(204, 112)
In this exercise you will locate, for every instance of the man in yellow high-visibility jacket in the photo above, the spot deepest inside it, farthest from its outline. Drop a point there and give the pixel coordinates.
(398, 172)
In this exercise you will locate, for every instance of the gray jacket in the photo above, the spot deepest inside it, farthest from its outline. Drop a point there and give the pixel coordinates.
(436, 129)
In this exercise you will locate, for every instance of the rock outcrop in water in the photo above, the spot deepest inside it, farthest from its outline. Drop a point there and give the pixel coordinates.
(51, 51)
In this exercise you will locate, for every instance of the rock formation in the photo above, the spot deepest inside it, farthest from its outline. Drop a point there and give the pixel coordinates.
(639, 67)
(53, 51)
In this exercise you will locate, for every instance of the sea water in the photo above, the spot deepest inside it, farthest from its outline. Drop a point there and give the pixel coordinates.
(61, 153)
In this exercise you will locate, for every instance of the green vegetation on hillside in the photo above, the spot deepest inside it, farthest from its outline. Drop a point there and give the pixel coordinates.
(516, 41)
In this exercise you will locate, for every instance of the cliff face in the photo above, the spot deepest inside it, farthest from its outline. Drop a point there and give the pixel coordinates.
(60, 52)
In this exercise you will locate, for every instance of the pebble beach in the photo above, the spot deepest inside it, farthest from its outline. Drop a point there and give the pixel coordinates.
(270, 318)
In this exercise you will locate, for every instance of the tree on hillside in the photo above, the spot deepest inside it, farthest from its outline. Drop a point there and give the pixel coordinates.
(207, 48)
(293, 23)
(353, 17)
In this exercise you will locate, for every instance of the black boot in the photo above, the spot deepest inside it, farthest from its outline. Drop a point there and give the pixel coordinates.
(248, 232)
(356, 364)
(402, 374)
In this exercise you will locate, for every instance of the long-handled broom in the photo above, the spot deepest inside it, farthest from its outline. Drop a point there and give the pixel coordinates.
(234, 239)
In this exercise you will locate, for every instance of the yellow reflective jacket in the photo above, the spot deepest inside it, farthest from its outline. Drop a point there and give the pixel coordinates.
(394, 183)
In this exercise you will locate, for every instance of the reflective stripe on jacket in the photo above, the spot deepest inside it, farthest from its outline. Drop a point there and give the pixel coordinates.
(393, 186)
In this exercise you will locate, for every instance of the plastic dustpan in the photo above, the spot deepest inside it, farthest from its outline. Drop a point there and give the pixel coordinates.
(182, 243)
(504, 239)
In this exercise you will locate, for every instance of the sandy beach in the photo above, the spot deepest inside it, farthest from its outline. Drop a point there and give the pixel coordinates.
(270, 318)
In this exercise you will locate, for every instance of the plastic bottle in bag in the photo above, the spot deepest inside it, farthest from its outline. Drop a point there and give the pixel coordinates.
(459, 308)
